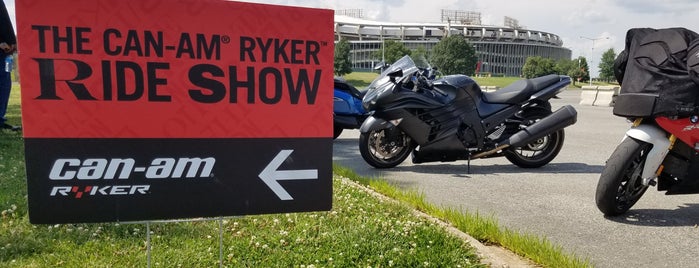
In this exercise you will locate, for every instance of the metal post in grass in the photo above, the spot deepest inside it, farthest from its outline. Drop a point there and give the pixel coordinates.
(148, 243)
(220, 236)
(220, 241)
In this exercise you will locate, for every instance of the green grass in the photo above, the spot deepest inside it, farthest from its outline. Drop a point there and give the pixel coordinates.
(13, 114)
(12, 191)
(360, 79)
(485, 229)
(360, 231)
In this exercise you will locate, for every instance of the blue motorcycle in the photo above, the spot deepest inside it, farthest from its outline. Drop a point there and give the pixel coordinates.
(348, 112)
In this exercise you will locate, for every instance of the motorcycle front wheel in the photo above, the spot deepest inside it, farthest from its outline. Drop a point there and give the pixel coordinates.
(620, 185)
(385, 148)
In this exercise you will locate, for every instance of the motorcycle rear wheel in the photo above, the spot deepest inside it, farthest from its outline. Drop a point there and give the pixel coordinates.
(385, 148)
(539, 152)
(620, 184)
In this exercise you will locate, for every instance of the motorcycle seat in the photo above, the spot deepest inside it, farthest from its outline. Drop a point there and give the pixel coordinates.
(520, 90)
(342, 85)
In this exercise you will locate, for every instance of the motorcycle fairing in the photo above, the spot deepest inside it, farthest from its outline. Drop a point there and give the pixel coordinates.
(656, 136)
(552, 90)
(344, 104)
(454, 120)
(347, 100)
(682, 128)
(342, 85)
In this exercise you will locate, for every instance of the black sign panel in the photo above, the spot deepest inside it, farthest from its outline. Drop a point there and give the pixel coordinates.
(153, 179)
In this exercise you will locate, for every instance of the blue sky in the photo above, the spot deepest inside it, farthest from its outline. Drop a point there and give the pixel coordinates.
(570, 20)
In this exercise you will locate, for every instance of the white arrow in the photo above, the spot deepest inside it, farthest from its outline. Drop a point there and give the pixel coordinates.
(270, 175)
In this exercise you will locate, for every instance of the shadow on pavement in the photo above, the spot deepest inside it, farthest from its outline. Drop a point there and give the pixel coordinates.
(346, 153)
(476, 168)
(685, 215)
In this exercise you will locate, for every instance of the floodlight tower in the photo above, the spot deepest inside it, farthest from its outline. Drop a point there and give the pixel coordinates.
(592, 52)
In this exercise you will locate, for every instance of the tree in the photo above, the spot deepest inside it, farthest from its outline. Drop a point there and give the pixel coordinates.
(419, 56)
(563, 65)
(584, 68)
(572, 68)
(342, 63)
(538, 66)
(575, 70)
(606, 65)
(392, 51)
(454, 55)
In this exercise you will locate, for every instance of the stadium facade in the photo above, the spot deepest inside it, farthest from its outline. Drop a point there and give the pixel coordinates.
(501, 50)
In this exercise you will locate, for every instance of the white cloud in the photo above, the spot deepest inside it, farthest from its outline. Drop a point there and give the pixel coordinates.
(580, 18)
(686, 7)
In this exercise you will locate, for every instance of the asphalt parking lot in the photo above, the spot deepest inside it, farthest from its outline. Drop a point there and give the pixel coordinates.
(557, 200)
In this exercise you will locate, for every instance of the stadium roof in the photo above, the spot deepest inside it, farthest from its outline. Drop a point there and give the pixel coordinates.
(363, 29)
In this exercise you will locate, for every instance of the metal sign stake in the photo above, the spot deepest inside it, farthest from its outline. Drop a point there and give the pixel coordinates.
(148, 242)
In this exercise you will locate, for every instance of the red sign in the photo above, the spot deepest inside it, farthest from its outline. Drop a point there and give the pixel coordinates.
(159, 109)
(179, 69)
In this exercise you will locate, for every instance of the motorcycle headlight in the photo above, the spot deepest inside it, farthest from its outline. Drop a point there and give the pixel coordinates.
(368, 102)
(374, 94)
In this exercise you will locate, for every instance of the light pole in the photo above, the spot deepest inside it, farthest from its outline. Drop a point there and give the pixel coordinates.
(592, 52)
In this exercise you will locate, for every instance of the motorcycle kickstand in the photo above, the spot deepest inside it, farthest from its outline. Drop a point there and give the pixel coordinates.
(468, 164)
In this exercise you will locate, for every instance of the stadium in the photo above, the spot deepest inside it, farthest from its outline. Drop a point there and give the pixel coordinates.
(501, 50)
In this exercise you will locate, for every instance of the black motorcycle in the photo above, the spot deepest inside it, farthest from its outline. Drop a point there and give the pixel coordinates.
(451, 119)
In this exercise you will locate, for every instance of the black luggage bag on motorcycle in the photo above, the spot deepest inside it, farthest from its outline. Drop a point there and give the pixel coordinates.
(658, 73)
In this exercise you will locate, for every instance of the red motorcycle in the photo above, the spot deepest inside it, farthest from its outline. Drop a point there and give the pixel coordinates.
(659, 76)
(660, 151)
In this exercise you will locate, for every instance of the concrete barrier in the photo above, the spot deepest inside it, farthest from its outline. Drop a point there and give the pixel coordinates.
(588, 95)
(605, 96)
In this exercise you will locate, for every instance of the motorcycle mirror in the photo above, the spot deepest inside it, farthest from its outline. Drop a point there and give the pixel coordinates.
(381, 66)
(394, 74)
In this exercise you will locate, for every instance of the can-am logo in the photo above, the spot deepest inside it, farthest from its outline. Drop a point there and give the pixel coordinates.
(124, 168)
(66, 169)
